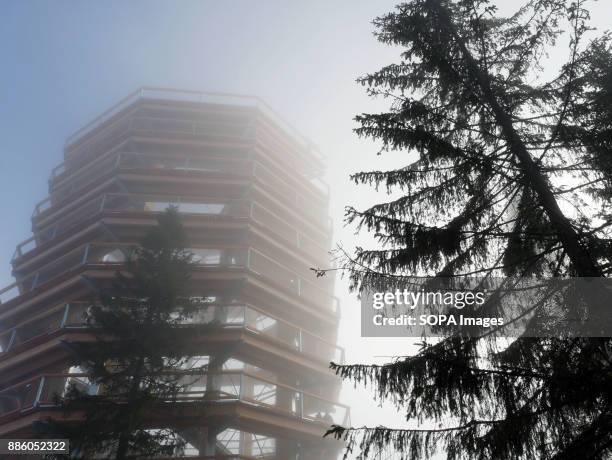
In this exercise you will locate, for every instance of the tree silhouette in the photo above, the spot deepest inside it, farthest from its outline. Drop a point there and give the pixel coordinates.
(141, 358)
(512, 176)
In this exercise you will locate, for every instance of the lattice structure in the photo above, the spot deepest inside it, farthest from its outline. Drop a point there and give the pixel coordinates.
(248, 189)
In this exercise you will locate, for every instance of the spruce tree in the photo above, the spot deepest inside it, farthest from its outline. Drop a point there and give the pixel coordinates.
(140, 360)
(508, 173)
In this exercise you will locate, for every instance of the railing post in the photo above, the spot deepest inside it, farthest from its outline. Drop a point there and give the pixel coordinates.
(300, 341)
(85, 255)
(65, 317)
(39, 392)
(118, 161)
(301, 405)
(35, 281)
(103, 203)
(241, 389)
(12, 339)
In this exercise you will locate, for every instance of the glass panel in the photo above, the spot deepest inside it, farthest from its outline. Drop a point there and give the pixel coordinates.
(55, 387)
(194, 386)
(324, 411)
(64, 221)
(10, 292)
(52, 270)
(115, 256)
(196, 362)
(83, 177)
(108, 254)
(268, 268)
(272, 327)
(19, 397)
(202, 208)
(157, 206)
(6, 338)
(58, 170)
(270, 394)
(102, 141)
(228, 316)
(65, 263)
(24, 248)
(38, 327)
(42, 206)
(317, 347)
(77, 315)
(223, 257)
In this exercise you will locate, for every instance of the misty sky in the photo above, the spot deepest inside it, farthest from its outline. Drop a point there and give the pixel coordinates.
(64, 62)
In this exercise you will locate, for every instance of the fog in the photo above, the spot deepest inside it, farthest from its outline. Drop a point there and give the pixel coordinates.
(67, 61)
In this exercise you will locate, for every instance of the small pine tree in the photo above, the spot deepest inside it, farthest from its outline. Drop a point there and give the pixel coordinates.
(497, 148)
(140, 360)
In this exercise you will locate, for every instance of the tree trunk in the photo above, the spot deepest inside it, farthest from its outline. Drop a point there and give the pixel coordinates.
(124, 437)
(581, 260)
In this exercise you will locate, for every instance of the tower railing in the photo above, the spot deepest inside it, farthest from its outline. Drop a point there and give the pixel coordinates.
(170, 94)
(123, 202)
(129, 161)
(47, 390)
(113, 253)
(73, 315)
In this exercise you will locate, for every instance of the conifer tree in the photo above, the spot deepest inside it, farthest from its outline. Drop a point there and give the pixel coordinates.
(140, 361)
(508, 173)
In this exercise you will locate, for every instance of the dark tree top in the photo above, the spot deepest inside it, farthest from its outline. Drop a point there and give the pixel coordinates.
(512, 177)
